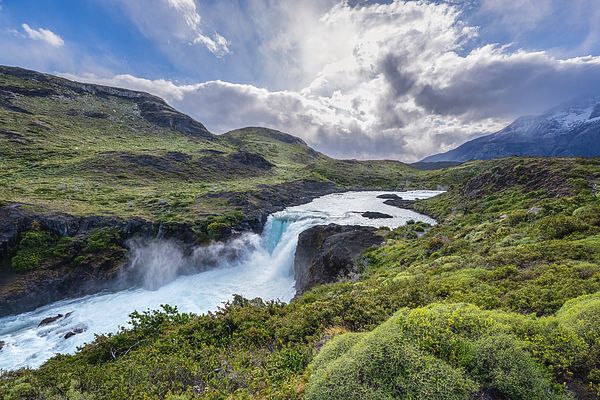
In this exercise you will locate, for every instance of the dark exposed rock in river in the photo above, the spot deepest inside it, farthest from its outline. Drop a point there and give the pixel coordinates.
(49, 320)
(376, 215)
(73, 332)
(328, 253)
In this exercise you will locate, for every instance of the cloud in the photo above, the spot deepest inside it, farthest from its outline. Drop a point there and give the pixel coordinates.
(175, 25)
(44, 35)
(400, 80)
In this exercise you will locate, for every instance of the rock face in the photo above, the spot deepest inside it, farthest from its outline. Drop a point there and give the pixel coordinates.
(328, 253)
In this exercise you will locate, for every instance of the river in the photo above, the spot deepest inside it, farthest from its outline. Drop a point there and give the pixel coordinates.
(262, 268)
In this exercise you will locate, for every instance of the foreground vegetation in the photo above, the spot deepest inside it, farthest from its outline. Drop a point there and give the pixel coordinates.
(500, 300)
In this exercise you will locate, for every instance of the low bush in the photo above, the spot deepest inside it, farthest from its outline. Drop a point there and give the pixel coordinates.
(34, 247)
(441, 351)
(559, 226)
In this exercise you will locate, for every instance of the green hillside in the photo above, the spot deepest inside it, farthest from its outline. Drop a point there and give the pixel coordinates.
(92, 150)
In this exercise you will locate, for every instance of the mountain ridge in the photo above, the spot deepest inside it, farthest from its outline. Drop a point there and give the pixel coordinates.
(571, 129)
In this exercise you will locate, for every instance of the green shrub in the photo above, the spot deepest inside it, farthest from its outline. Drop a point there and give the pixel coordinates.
(34, 246)
(217, 229)
(589, 214)
(64, 247)
(517, 217)
(502, 364)
(380, 365)
(101, 239)
(582, 315)
(477, 350)
(559, 226)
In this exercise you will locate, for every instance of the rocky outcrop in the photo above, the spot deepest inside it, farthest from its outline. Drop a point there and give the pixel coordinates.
(328, 253)
(250, 160)
(73, 332)
(62, 277)
(49, 320)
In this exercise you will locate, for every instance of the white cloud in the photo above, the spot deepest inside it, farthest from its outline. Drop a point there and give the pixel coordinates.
(45, 35)
(381, 81)
(174, 25)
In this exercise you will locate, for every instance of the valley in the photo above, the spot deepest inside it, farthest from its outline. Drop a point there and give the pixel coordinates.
(121, 217)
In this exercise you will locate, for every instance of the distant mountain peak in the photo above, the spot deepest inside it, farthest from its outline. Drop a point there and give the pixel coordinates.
(571, 129)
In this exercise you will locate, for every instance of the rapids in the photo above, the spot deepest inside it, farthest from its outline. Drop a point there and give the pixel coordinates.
(263, 268)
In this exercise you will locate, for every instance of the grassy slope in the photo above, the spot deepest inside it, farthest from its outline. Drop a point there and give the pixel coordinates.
(61, 156)
(500, 300)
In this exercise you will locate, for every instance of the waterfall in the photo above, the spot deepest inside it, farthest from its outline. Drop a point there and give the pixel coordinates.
(250, 265)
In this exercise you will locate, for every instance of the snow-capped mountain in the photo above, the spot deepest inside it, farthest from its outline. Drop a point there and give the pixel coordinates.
(571, 129)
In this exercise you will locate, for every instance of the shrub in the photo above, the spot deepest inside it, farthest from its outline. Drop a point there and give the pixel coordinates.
(582, 315)
(476, 350)
(588, 214)
(217, 229)
(64, 247)
(559, 226)
(33, 248)
(502, 364)
(383, 364)
(101, 239)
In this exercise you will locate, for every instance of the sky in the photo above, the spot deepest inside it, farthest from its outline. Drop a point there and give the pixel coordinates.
(355, 79)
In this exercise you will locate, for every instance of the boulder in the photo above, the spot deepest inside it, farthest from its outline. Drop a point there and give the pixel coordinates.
(49, 320)
(399, 202)
(73, 332)
(328, 253)
(391, 196)
(376, 215)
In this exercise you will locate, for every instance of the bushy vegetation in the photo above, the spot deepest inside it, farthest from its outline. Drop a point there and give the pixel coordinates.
(34, 246)
(38, 247)
(486, 304)
(442, 351)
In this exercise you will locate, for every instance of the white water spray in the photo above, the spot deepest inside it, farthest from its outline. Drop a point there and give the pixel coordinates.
(250, 265)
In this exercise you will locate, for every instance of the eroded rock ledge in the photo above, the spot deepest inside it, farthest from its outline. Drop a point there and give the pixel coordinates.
(328, 253)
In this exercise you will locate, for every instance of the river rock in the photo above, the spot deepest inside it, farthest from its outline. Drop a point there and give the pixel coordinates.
(49, 320)
(73, 332)
(376, 215)
(399, 202)
(328, 253)
(391, 196)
